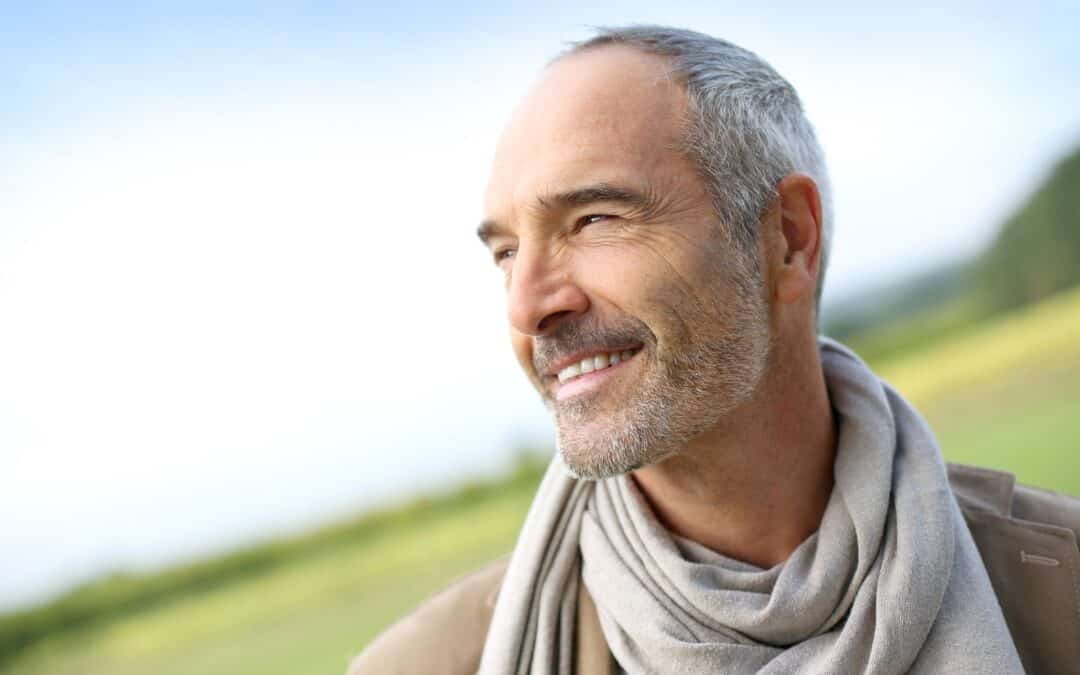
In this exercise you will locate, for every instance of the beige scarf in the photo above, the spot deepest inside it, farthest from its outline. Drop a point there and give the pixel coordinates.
(890, 583)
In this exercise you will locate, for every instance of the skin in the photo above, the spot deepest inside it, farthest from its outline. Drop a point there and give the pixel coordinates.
(607, 239)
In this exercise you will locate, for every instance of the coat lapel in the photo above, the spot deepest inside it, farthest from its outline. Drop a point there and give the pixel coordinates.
(591, 653)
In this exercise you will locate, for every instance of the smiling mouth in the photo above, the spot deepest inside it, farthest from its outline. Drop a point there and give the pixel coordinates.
(594, 363)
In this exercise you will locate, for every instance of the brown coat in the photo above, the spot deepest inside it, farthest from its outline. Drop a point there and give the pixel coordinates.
(1027, 538)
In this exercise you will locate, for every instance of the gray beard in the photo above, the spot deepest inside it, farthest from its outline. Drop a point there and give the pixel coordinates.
(680, 398)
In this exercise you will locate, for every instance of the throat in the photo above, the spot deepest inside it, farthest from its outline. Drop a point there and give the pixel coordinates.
(755, 502)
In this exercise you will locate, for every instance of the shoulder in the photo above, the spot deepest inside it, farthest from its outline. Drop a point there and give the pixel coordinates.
(445, 634)
(1027, 539)
(980, 490)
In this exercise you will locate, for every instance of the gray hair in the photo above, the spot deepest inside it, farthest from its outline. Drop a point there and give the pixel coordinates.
(747, 130)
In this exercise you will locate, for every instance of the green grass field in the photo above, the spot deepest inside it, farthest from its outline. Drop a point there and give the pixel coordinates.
(1004, 394)
(309, 617)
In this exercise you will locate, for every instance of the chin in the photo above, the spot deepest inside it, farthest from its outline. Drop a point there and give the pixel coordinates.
(597, 453)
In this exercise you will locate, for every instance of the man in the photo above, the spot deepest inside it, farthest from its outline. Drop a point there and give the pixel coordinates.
(731, 494)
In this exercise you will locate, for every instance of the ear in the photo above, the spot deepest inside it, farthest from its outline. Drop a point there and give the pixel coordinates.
(800, 227)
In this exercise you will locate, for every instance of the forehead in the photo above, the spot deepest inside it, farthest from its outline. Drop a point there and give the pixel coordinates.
(612, 113)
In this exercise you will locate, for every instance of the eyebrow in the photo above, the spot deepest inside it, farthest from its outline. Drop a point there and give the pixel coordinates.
(576, 198)
(488, 229)
(591, 194)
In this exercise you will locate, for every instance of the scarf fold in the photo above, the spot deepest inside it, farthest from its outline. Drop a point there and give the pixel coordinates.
(890, 583)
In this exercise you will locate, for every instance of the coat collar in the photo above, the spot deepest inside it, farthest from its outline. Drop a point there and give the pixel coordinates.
(983, 489)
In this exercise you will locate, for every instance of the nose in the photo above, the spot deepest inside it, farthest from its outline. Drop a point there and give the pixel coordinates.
(541, 293)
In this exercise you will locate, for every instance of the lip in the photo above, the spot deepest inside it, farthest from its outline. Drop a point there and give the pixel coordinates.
(554, 368)
(588, 381)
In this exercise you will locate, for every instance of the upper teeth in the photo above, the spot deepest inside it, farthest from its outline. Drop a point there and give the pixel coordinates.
(598, 362)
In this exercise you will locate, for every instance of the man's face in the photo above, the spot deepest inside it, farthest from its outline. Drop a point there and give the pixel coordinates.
(629, 309)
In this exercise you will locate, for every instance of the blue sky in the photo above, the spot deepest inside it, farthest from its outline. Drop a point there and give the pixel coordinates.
(239, 286)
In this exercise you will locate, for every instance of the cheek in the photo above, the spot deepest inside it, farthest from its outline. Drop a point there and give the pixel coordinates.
(674, 292)
(645, 283)
(618, 274)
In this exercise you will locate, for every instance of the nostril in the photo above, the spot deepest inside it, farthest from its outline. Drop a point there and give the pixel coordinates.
(549, 321)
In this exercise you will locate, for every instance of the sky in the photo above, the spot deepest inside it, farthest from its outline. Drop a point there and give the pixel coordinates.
(240, 292)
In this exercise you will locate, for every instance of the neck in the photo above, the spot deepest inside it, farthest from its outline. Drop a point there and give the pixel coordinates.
(755, 488)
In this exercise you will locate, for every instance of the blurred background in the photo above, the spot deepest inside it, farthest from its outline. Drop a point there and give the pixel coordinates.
(256, 396)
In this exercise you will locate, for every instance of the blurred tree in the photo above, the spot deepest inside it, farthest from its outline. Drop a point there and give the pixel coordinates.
(1037, 252)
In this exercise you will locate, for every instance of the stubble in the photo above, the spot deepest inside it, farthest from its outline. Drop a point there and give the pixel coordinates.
(678, 390)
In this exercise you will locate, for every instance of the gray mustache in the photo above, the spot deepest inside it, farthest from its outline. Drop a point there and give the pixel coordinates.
(575, 337)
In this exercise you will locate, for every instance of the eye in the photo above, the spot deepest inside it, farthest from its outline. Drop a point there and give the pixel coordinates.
(590, 219)
(502, 254)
